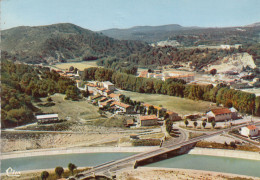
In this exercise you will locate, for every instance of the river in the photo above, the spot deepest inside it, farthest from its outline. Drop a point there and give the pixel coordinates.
(187, 161)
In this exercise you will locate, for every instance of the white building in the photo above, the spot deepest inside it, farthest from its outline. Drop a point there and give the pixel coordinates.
(219, 114)
(108, 85)
(47, 118)
(249, 131)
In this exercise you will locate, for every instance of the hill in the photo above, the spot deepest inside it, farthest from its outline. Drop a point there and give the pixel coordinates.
(188, 36)
(146, 33)
(59, 42)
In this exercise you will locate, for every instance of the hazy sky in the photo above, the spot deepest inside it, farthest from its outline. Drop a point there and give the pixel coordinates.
(104, 14)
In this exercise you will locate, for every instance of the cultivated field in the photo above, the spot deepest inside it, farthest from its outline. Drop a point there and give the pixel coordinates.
(181, 106)
(80, 65)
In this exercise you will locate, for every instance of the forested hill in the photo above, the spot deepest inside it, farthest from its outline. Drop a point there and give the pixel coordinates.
(60, 42)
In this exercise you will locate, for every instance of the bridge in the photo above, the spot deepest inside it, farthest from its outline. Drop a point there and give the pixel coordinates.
(109, 168)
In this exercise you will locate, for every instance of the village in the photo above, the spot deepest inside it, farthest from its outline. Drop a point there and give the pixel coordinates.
(112, 103)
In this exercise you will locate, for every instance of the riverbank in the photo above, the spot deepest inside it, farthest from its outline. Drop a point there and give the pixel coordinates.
(195, 151)
(151, 173)
(62, 151)
(226, 153)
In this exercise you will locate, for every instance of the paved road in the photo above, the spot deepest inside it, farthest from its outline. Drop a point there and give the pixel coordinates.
(104, 168)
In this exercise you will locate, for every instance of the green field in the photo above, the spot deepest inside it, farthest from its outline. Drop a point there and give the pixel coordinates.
(181, 106)
(75, 110)
(79, 65)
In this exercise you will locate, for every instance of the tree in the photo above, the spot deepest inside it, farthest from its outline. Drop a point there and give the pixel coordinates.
(49, 99)
(71, 167)
(71, 68)
(233, 144)
(213, 124)
(44, 175)
(169, 124)
(186, 122)
(204, 123)
(195, 124)
(225, 144)
(213, 72)
(59, 171)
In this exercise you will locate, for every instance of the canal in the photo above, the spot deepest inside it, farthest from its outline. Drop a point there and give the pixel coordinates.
(187, 161)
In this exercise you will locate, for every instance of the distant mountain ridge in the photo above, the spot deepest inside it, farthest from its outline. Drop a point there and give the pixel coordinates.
(145, 33)
(153, 34)
(59, 42)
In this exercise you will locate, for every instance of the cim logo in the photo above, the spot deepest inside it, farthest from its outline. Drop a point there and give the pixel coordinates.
(10, 172)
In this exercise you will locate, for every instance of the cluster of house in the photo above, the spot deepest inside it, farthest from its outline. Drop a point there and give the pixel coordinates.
(168, 75)
(102, 93)
(222, 114)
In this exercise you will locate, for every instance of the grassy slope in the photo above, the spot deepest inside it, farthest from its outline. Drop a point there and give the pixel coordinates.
(179, 105)
(74, 109)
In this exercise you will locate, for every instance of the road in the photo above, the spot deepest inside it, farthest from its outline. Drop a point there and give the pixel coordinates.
(104, 168)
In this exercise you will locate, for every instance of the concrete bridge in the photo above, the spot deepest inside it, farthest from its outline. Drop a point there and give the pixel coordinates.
(109, 169)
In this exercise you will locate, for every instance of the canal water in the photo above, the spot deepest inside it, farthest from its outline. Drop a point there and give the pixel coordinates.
(187, 161)
(212, 163)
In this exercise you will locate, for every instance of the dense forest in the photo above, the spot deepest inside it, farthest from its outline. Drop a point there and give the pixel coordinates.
(221, 94)
(21, 84)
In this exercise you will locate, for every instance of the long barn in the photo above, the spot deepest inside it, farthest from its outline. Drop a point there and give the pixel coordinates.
(45, 118)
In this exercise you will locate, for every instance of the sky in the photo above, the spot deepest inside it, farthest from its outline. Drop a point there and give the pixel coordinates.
(105, 14)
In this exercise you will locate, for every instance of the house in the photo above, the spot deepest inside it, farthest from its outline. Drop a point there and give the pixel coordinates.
(234, 113)
(94, 97)
(130, 122)
(108, 85)
(173, 116)
(107, 92)
(148, 120)
(249, 131)
(115, 97)
(47, 118)
(219, 114)
(143, 74)
(159, 109)
(105, 103)
(122, 107)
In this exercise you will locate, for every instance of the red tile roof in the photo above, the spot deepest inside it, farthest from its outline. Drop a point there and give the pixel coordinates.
(148, 117)
(113, 95)
(170, 112)
(120, 104)
(221, 111)
(147, 105)
(130, 122)
(143, 74)
(252, 127)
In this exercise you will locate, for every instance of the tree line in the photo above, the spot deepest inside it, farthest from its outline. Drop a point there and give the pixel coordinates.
(220, 94)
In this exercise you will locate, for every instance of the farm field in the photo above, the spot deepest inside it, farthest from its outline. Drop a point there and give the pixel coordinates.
(181, 106)
(79, 65)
